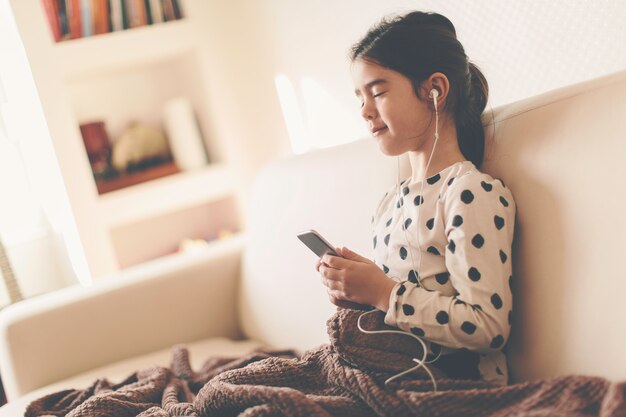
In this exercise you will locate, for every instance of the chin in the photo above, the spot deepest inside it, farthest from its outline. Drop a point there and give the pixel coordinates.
(389, 151)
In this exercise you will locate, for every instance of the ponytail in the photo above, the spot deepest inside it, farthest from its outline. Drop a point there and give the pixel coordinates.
(469, 125)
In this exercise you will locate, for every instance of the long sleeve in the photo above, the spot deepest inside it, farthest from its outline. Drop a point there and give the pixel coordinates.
(479, 219)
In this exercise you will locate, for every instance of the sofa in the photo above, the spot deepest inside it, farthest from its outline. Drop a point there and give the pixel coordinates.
(562, 155)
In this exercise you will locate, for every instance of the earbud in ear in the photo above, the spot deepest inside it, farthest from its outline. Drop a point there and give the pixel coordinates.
(434, 93)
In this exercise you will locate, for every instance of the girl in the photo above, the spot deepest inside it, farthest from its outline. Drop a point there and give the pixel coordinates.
(442, 237)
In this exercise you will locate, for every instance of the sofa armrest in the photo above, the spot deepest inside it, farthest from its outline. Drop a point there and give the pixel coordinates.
(171, 300)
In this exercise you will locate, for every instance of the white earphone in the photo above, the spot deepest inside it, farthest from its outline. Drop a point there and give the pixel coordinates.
(434, 94)
(420, 363)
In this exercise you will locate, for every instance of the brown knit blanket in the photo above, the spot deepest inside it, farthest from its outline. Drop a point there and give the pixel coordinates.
(342, 378)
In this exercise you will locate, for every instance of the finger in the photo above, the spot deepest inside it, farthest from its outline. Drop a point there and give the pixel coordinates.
(325, 282)
(333, 261)
(319, 264)
(355, 256)
(335, 301)
(333, 285)
(330, 273)
(335, 296)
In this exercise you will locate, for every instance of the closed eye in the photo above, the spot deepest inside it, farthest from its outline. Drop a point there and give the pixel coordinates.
(374, 95)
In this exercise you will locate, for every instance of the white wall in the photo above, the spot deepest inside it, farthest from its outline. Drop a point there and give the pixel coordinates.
(524, 48)
(36, 222)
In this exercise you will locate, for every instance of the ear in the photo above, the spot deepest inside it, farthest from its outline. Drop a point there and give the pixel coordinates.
(440, 82)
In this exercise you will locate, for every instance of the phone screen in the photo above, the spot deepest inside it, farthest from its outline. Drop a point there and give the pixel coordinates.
(317, 243)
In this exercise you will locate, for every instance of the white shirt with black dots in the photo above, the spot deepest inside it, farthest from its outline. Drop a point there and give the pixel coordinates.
(466, 225)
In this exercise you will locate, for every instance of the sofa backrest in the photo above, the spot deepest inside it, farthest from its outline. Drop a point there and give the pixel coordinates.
(333, 191)
(562, 155)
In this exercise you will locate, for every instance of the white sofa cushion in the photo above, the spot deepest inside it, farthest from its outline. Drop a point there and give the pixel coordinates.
(562, 154)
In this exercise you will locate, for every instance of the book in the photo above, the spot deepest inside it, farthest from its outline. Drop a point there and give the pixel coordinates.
(156, 11)
(109, 21)
(117, 16)
(100, 16)
(63, 23)
(125, 15)
(51, 9)
(148, 12)
(137, 13)
(168, 10)
(128, 6)
(74, 18)
(178, 13)
(86, 17)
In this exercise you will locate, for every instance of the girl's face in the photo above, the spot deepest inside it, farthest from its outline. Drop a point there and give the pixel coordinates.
(395, 116)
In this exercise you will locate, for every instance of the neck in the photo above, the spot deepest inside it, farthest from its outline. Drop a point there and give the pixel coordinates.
(446, 153)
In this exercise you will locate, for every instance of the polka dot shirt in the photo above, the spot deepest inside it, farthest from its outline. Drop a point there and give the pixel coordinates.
(459, 300)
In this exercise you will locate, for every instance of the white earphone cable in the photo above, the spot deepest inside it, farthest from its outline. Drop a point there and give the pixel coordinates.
(420, 362)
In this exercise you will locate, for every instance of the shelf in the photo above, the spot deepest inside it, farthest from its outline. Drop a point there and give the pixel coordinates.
(164, 195)
(127, 180)
(155, 237)
(179, 260)
(126, 48)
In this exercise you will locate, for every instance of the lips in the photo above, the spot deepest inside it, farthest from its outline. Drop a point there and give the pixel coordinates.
(377, 129)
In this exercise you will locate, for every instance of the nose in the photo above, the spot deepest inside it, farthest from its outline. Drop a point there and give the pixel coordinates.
(368, 111)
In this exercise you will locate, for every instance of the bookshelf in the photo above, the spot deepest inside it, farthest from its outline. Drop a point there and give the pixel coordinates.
(127, 48)
(119, 77)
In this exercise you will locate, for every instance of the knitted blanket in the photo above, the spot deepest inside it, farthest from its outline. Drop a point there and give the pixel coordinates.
(342, 378)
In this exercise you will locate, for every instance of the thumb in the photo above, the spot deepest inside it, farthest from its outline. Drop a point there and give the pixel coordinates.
(348, 253)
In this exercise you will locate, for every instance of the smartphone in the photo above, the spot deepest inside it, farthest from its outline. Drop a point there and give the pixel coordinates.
(321, 246)
(314, 241)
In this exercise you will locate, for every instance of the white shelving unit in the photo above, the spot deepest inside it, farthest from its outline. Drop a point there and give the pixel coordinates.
(119, 77)
(153, 43)
(144, 200)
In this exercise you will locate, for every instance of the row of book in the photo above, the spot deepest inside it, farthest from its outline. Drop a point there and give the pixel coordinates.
(73, 19)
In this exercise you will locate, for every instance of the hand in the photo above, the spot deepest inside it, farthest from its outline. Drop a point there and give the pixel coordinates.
(355, 279)
(337, 302)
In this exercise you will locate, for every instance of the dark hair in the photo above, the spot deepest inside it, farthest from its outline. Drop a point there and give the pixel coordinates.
(419, 44)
